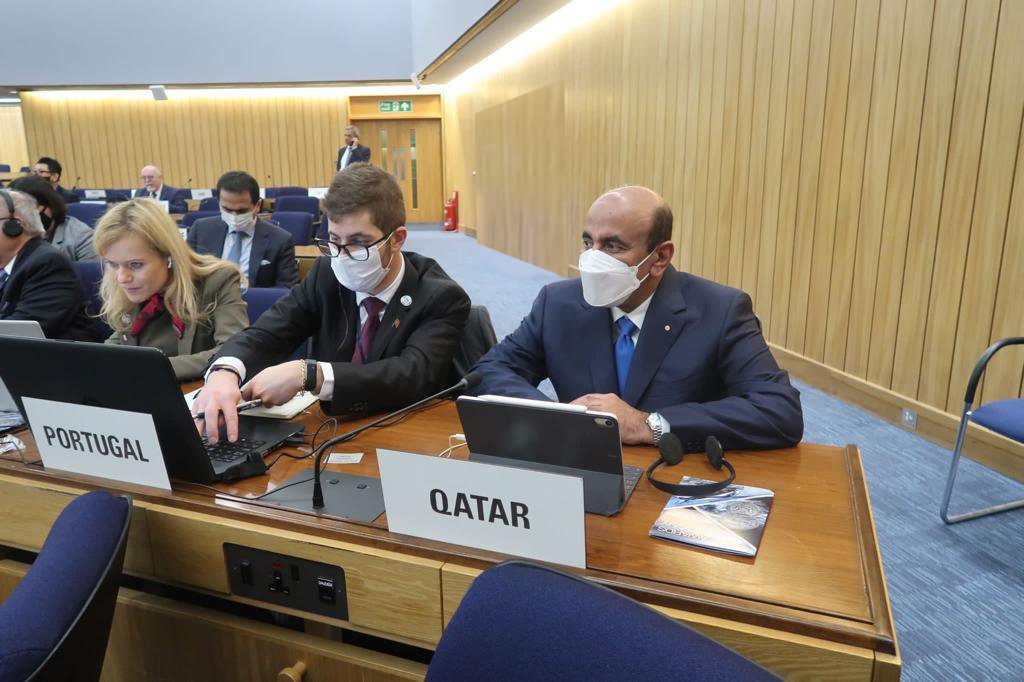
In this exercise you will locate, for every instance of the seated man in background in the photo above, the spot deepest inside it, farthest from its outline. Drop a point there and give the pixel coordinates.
(264, 252)
(385, 324)
(658, 348)
(37, 282)
(153, 187)
(51, 170)
(66, 232)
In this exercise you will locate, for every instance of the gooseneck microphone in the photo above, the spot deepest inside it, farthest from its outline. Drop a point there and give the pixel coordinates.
(189, 183)
(75, 186)
(467, 382)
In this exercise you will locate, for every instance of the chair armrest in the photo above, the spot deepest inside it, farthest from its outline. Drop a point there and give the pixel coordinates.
(972, 385)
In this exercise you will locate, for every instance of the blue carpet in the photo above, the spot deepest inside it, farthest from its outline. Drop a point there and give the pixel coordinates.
(957, 592)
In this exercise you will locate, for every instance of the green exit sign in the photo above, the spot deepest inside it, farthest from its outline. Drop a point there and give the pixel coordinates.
(390, 106)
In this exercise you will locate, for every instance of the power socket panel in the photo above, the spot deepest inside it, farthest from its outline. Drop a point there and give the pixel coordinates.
(287, 581)
(908, 419)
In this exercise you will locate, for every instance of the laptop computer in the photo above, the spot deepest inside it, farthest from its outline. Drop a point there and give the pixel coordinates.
(562, 439)
(137, 379)
(28, 329)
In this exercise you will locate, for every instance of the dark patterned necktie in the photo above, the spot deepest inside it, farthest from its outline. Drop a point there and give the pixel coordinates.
(3, 282)
(369, 331)
(153, 307)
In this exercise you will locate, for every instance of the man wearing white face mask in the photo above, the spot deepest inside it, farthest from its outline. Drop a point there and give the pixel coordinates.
(658, 348)
(384, 323)
(264, 252)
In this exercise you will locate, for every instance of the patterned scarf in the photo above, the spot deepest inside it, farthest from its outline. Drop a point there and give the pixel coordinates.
(153, 307)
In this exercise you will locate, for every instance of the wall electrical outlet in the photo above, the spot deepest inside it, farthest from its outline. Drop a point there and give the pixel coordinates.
(908, 418)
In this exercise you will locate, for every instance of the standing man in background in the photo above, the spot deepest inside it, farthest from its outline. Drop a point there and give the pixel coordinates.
(352, 151)
(51, 170)
(153, 187)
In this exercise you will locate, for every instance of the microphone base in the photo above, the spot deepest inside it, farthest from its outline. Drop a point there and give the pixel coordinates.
(346, 497)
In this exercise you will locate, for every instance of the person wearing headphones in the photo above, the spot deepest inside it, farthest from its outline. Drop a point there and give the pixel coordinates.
(37, 282)
(158, 292)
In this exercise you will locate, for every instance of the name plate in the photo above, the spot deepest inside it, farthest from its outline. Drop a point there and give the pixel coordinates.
(202, 193)
(98, 441)
(531, 514)
(95, 194)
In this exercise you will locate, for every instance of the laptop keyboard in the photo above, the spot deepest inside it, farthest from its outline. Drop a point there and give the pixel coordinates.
(226, 451)
(630, 477)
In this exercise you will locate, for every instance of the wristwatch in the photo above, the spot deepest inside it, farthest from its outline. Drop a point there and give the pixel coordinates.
(656, 424)
(310, 382)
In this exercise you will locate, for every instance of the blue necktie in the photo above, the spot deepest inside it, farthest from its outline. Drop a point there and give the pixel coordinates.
(624, 350)
(235, 254)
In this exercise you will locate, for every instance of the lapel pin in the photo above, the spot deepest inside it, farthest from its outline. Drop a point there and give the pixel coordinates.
(668, 327)
(396, 324)
(406, 301)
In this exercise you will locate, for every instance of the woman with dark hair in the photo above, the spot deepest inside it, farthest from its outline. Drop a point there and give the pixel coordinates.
(69, 234)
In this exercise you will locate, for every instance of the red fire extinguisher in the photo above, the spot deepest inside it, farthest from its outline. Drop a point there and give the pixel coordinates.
(451, 213)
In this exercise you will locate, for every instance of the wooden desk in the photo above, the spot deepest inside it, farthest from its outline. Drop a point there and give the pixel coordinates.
(812, 604)
(306, 255)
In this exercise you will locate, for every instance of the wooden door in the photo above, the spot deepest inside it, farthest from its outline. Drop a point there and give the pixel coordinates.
(409, 149)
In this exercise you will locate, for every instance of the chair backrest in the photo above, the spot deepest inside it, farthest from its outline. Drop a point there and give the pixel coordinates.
(5, 168)
(299, 223)
(124, 194)
(56, 623)
(275, 192)
(25, 169)
(191, 217)
(477, 339)
(321, 232)
(310, 205)
(91, 274)
(87, 213)
(258, 300)
(210, 204)
(522, 621)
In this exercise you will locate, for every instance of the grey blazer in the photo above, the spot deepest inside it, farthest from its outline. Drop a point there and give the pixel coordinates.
(271, 261)
(190, 354)
(73, 238)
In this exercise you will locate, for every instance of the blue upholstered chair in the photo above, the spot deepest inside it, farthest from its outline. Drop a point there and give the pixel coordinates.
(522, 621)
(321, 232)
(25, 169)
(309, 205)
(259, 300)
(5, 168)
(87, 213)
(1005, 417)
(275, 192)
(210, 204)
(192, 216)
(56, 623)
(299, 223)
(91, 274)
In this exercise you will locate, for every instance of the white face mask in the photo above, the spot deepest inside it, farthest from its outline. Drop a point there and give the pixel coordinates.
(361, 275)
(607, 281)
(238, 222)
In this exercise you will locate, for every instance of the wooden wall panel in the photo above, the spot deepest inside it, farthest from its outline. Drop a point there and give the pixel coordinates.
(280, 140)
(855, 165)
(13, 150)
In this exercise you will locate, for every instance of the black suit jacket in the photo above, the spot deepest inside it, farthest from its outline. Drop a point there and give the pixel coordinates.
(410, 358)
(360, 153)
(44, 287)
(175, 197)
(67, 195)
(700, 361)
(271, 261)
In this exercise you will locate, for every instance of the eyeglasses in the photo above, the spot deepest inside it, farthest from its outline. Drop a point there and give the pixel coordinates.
(353, 251)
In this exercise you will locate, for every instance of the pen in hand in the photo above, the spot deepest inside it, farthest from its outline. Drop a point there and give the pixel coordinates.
(240, 407)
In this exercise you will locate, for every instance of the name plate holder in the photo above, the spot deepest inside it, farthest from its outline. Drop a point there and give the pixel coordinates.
(97, 441)
(532, 514)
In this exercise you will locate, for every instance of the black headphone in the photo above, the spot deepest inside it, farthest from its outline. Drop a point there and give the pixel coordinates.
(671, 450)
(12, 227)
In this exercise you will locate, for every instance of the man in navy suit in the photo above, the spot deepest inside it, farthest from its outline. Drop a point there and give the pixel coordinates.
(153, 187)
(352, 151)
(658, 348)
(263, 251)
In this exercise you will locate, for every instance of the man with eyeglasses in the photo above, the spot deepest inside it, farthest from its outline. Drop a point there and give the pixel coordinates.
(264, 252)
(51, 170)
(384, 323)
(660, 349)
(153, 187)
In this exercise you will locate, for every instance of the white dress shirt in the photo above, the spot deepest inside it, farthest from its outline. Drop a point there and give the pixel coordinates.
(344, 157)
(229, 241)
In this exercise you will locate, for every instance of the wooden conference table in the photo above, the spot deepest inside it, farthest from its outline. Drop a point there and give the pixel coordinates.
(811, 605)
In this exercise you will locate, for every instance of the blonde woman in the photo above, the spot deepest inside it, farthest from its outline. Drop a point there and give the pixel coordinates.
(158, 292)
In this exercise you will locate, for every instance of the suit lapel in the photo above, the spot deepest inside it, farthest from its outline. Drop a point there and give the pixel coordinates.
(259, 246)
(216, 246)
(396, 311)
(595, 327)
(662, 325)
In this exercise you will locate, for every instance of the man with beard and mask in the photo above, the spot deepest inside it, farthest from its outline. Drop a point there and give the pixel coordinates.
(264, 252)
(660, 349)
(66, 232)
(384, 324)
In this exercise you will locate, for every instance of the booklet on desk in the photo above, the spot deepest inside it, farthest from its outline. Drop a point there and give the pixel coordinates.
(289, 410)
(730, 521)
